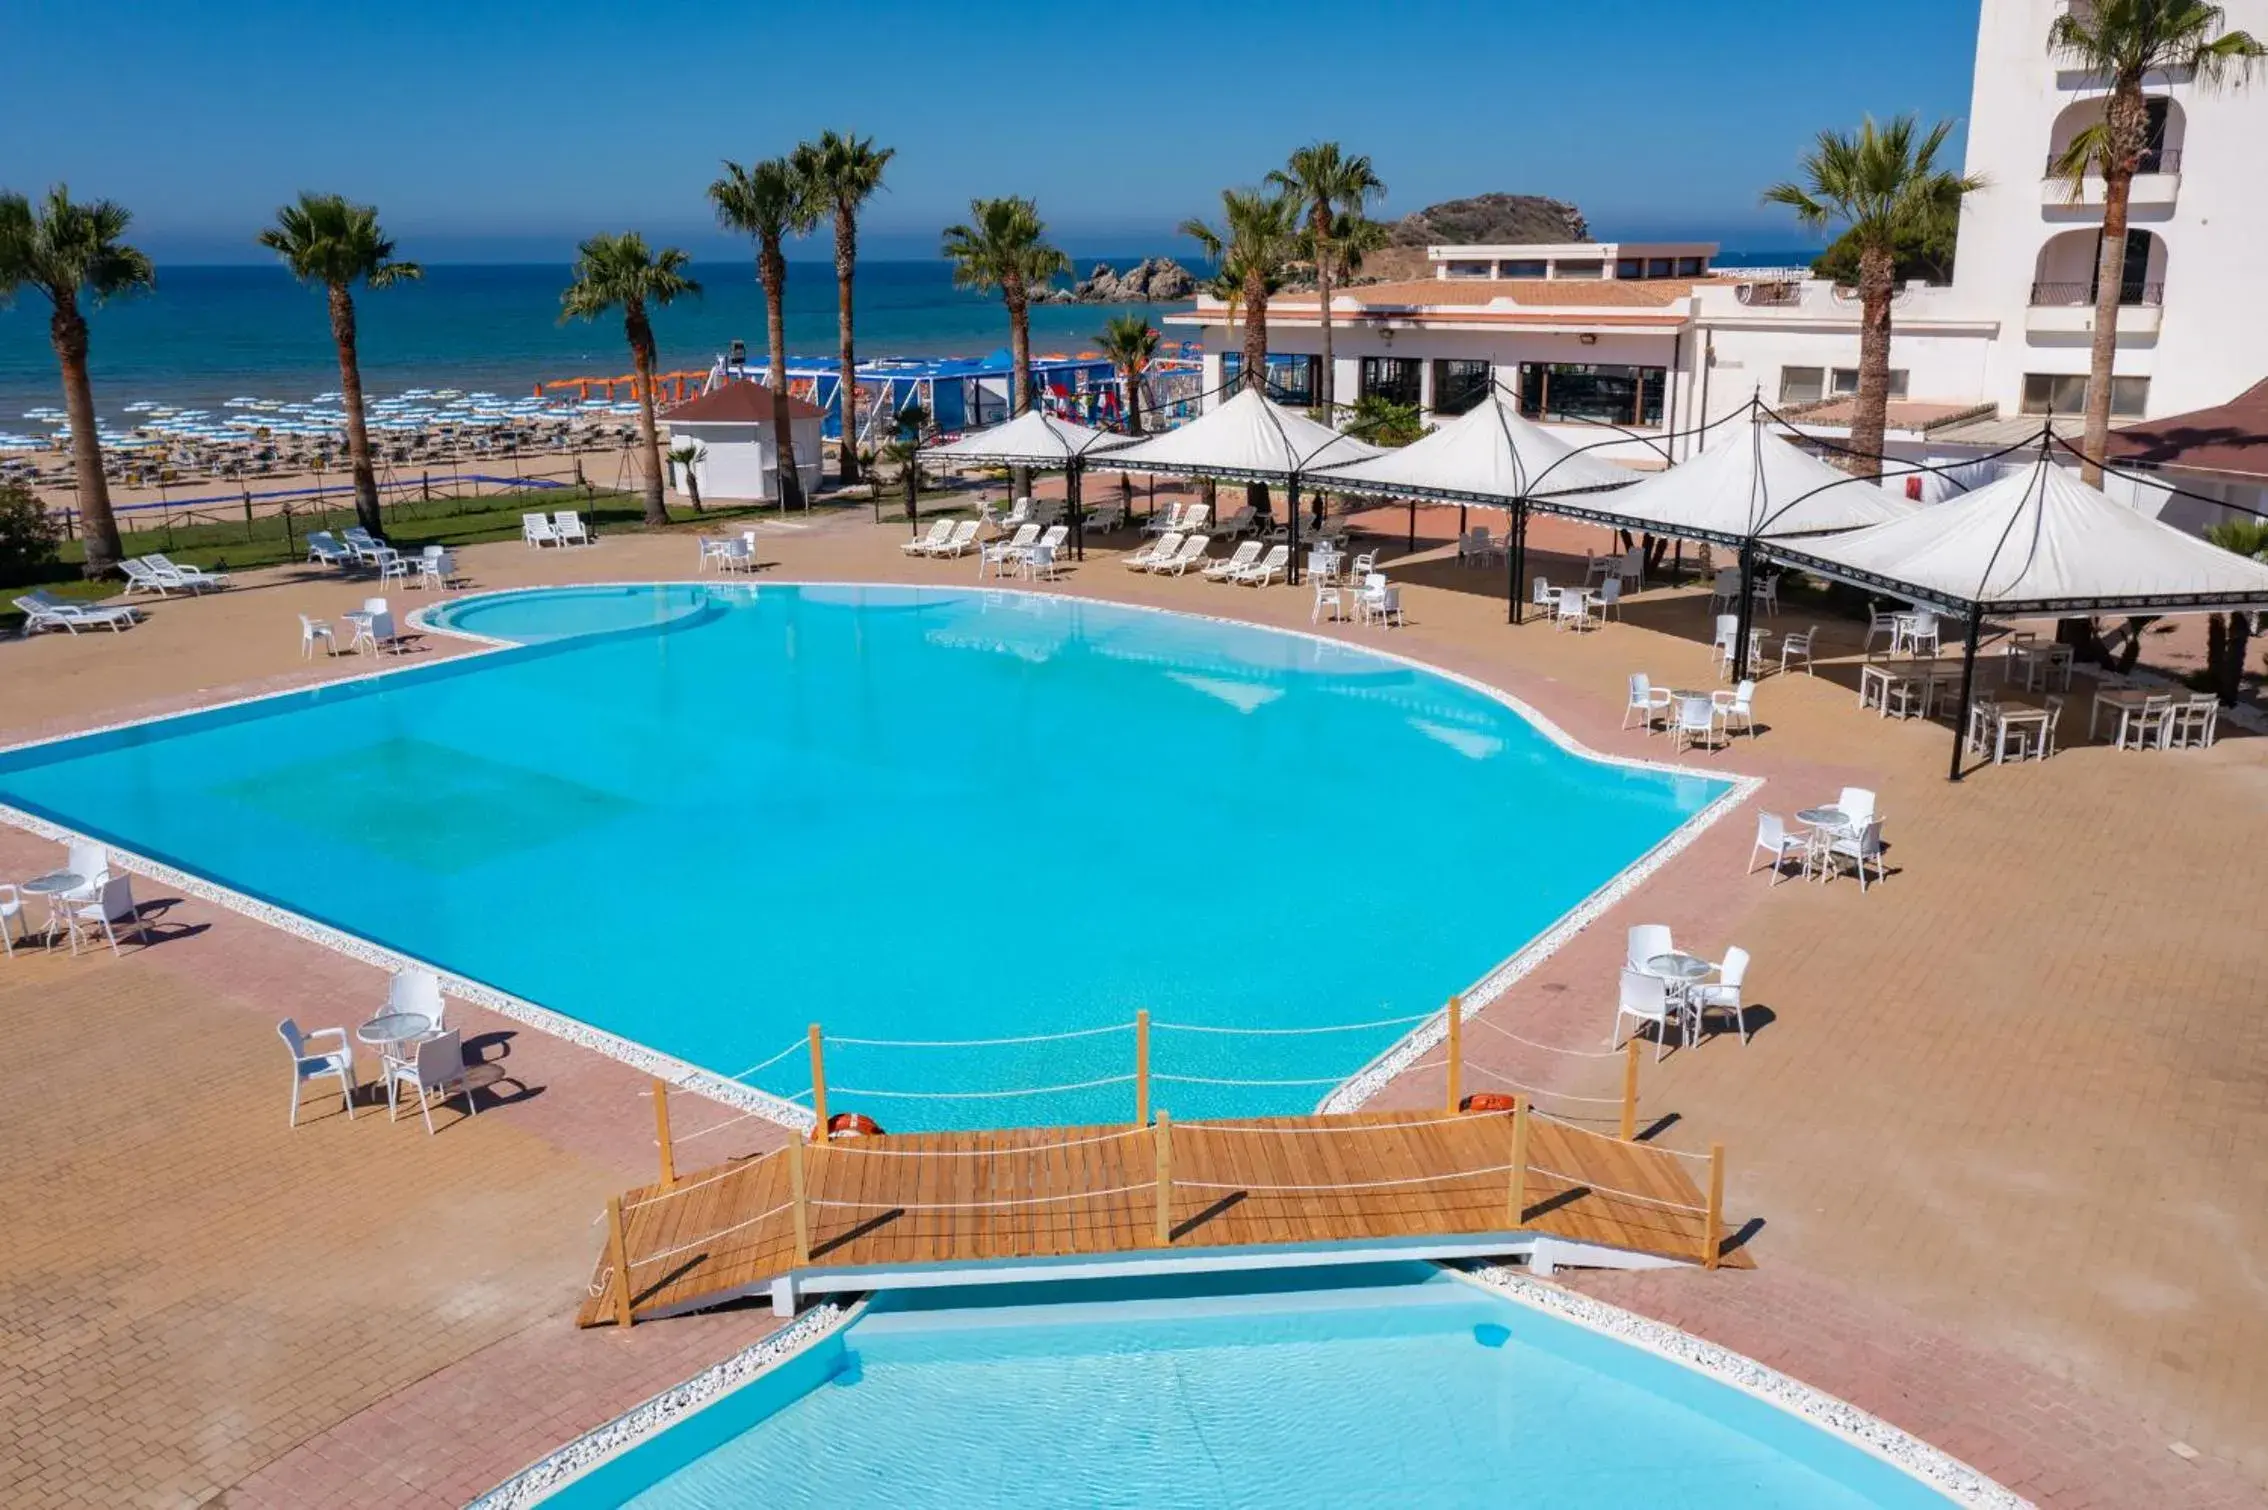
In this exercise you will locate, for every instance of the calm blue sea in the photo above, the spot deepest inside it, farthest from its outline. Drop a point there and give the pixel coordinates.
(211, 333)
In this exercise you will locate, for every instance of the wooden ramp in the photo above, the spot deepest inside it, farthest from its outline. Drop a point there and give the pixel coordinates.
(1068, 1202)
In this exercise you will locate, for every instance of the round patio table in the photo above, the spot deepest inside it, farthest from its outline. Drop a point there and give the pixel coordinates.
(390, 1028)
(1682, 968)
(1823, 817)
(52, 885)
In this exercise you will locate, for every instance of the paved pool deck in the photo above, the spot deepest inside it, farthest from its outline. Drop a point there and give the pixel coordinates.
(1995, 1139)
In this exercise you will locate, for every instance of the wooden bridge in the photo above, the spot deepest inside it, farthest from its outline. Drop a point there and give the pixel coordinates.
(1108, 1201)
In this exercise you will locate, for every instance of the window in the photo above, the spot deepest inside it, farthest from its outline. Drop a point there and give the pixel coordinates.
(1468, 269)
(1399, 379)
(1802, 385)
(2066, 393)
(1599, 392)
(1292, 379)
(1692, 267)
(1459, 385)
(1630, 267)
(1590, 267)
(1658, 267)
(1845, 382)
(1524, 267)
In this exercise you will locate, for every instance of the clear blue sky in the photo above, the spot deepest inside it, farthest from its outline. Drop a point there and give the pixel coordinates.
(494, 132)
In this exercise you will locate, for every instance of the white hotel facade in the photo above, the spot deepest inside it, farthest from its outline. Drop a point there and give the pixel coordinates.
(1652, 337)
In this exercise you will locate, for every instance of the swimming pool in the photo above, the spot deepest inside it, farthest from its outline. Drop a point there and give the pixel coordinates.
(702, 818)
(1388, 1386)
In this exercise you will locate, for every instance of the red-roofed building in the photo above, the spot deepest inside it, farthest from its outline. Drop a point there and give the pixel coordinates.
(732, 424)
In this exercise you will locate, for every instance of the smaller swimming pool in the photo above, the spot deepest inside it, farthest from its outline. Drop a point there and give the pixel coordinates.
(1385, 1385)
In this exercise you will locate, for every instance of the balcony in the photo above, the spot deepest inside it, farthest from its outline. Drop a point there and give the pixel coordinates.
(2156, 184)
(2069, 309)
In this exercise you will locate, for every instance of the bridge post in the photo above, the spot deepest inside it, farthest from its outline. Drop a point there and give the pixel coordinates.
(1716, 1216)
(618, 1260)
(796, 1198)
(818, 1085)
(1142, 1067)
(1630, 1088)
(1163, 1137)
(1516, 1199)
(1456, 1052)
(661, 1132)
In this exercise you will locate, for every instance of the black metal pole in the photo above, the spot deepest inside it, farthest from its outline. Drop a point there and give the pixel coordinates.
(1968, 687)
(1291, 508)
(1747, 610)
(1071, 491)
(1412, 546)
(1516, 560)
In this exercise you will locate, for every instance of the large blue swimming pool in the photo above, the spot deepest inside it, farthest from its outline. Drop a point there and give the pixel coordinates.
(1384, 1387)
(705, 818)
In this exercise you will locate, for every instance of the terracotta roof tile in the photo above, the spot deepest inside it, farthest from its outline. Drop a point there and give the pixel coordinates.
(739, 403)
(1585, 293)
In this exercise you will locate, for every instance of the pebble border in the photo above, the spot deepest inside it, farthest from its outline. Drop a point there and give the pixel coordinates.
(554, 1470)
(1940, 1470)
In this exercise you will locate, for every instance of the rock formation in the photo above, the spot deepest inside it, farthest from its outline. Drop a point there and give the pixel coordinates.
(1153, 280)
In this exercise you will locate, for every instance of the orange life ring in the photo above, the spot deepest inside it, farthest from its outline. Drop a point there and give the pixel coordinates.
(1488, 1101)
(853, 1125)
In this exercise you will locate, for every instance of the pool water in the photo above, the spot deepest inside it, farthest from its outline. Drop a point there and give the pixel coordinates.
(704, 818)
(1390, 1386)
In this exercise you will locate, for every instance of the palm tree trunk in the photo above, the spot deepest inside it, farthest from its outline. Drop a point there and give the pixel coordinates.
(67, 331)
(2102, 355)
(771, 271)
(846, 263)
(1132, 416)
(1020, 376)
(1256, 369)
(1870, 410)
(357, 428)
(642, 362)
(1324, 385)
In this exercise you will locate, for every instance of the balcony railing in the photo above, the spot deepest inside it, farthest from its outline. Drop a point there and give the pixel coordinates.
(2155, 160)
(2084, 293)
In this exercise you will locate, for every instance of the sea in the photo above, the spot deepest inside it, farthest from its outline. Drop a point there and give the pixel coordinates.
(212, 333)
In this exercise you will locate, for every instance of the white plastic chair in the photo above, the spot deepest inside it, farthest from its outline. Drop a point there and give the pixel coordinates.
(1000, 555)
(1610, 597)
(1327, 595)
(13, 924)
(90, 862)
(1768, 595)
(2189, 724)
(1797, 647)
(1543, 595)
(309, 1063)
(1773, 838)
(1632, 574)
(2146, 727)
(311, 630)
(436, 569)
(1696, 723)
(1740, 703)
(1881, 621)
(1574, 611)
(1725, 588)
(1862, 848)
(1646, 998)
(418, 991)
(1038, 563)
(1646, 700)
(374, 626)
(1723, 995)
(1644, 941)
(1856, 804)
(438, 1068)
(1380, 602)
(113, 905)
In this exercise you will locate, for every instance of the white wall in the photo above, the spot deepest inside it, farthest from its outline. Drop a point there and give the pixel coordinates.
(738, 460)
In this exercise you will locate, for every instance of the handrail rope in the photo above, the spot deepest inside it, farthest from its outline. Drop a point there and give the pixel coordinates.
(1424, 1179)
(1031, 1090)
(1550, 1047)
(851, 1145)
(1036, 1200)
(767, 1064)
(1596, 1188)
(701, 1242)
(1536, 1090)
(678, 1190)
(1369, 1127)
(1336, 1027)
(678, 1137)
(1212, 1080)
(1678, 1153)
(971, 1043)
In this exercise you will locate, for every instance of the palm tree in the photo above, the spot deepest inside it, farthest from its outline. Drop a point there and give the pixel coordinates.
(328, 240)
(683, 458)
(770, 201)
(842, 173)
(1258, 240)
(1333, 190)
(2227, 636)
(622, 272)
(1004, 249)
(2121, 42)
(1129, 343)
(1884, 184)
(65, 249)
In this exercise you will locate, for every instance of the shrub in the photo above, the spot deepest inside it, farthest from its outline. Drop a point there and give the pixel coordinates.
(28, 537)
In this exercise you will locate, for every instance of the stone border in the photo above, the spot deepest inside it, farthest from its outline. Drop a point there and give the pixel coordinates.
(1352, 1092)
(1940, 1470)
(553, 1471)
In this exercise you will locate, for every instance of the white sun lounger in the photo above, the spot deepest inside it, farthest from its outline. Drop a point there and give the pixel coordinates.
(939, 532)
(43, 610)
(1167, 523)
(194, 578)
(324, 547)
(536, 530)
(960, 542)
(1000, 553)
(1229, 566)
(1192, 552)
(567, 528)
(1165, 545)
(1267, 569)
(143, 577)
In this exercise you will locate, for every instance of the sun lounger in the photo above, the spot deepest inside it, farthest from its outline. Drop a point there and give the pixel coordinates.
(1167, 523)
(1267, 569)
(1229, 566)
(567, 528)
(1192, 552)
(322, 546)
(960, 542)
(143, 577)
(536, 530)
(1163, 547)
(43, 610)
(1104, 518)
(191, 577)
(939, 532)
(1001, 553)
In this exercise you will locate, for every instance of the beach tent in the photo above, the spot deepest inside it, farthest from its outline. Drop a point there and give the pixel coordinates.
(732, 424)
(2037, 541)
(1491, 457)
(1250, 438)
(1038, 439)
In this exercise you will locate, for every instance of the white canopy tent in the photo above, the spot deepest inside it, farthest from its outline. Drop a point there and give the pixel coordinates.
(1250, 438)
(1491, 457)
(1747, 484)
(2037, 541)
(1038, 439)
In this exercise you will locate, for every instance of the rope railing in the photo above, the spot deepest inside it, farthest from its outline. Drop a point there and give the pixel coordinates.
(1549, 1048)
(1595, 1188)
(1421, 1179)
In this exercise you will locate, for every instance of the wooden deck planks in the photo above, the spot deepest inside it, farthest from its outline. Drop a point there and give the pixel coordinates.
(1003, 1194)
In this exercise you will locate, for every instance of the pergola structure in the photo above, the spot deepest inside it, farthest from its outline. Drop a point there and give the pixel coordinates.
(1043, 442)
